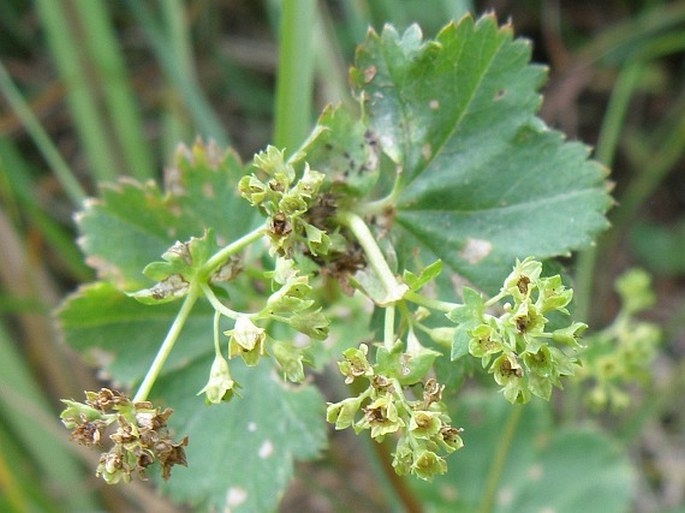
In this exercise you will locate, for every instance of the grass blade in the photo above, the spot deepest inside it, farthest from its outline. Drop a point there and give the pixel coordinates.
(106, 58)
(293, 111)
(88, 122)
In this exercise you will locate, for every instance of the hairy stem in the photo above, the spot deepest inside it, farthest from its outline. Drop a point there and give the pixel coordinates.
(500, 459)
(167, 346)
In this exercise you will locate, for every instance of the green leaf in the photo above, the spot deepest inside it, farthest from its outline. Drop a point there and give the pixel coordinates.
(427, 274)
(481, 180)
(241, 454)
(545, 469)
(133, 224)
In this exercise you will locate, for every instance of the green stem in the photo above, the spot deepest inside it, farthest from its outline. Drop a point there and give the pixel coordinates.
(395, 291)
(217, 345)
(167, 346)
(433, 304)
(389, 328)
(380, 205)
(220, 257)
(218, 305)
(500, 459)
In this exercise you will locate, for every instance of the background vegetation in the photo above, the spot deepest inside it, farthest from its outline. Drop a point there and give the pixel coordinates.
(92, 90)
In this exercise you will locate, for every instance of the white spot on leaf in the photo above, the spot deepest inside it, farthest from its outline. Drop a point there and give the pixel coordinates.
(251, 427)
(266, 449)
(434, 104)
(475, 250)
(535, 472)
(234, 497)
(505, 496)
(426, 151)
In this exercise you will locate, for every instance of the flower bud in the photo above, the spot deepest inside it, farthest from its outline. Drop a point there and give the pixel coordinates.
(220, 386)
(246, 334)
(355, 363)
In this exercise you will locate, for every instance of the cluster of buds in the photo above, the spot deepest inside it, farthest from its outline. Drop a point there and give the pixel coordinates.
(516, 346)
(623, 351)
(286, 201)
(138, 433)
(423, 426)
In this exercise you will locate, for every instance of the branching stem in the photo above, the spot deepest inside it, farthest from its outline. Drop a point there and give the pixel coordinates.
(218, 305)
(220, 257)
(433, 304)
(356, 224)
(167, 346)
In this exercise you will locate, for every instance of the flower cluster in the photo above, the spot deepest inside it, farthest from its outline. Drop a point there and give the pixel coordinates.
(516, 346)
(285, 201)
(423, 425)
(139, 434)
(624, 351)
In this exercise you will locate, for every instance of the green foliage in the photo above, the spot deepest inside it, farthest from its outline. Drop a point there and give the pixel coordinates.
(546, 469)
(444, 158)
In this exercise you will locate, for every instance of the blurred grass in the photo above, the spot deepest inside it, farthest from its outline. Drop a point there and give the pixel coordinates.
(135, 78)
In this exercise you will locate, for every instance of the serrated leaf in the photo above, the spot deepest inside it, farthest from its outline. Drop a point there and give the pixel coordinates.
(483, 181)
(241, 453)
(545, 469)
(133, 224)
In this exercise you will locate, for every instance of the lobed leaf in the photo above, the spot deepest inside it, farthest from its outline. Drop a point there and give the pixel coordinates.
(481, 180)
(133, 224)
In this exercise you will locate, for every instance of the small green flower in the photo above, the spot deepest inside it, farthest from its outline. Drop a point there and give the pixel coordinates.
(425, 425)
(246, 333)
(450, 438)
(253, 189)
(403, 458)
(355, 363)
(247, 341)
(220, 386)
(520, 283)
(382, 417)
(76, 413)
(508, 373)
(635, 290)
(570, 335)
(342, 413)
(313, 324)
(427, 465)
(484, 341)
(540, 362)
(290, 359)
(553, 295)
